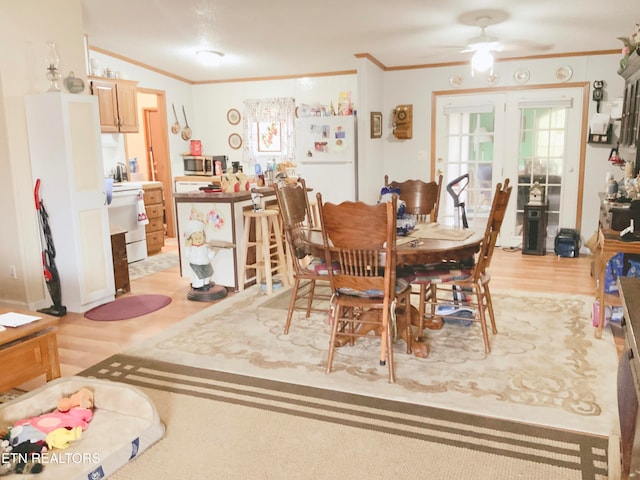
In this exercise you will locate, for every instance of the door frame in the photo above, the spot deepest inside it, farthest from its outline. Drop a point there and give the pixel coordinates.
(585, 86)
(165, 158)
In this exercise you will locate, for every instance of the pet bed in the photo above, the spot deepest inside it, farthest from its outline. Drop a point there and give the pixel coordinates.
(125, 423)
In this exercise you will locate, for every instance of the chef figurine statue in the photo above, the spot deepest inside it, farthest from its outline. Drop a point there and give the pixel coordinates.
(200, 254)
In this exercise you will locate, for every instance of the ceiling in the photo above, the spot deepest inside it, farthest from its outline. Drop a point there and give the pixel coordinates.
(294, 37)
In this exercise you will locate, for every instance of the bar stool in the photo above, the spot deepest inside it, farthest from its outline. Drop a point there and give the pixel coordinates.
(269, 251)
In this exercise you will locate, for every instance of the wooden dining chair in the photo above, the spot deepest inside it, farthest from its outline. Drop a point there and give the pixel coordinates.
(361, 240)
(458, 290)
(295, 212)
(422, 199)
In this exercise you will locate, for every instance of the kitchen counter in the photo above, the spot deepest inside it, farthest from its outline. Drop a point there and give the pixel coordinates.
(223, 196)
(222, 215)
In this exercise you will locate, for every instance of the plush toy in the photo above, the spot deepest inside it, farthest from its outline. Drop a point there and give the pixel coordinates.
(82, 398)
(48, 422)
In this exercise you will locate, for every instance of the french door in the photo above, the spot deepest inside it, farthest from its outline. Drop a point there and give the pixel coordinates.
(528, 136)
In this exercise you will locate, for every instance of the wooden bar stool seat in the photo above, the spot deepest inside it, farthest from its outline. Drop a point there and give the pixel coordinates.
(269, 249)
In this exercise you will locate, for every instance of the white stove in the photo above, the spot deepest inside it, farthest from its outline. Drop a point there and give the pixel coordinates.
(123, 212)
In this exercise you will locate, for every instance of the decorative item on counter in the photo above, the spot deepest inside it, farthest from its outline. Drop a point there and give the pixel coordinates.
(196, 148)
(53, 71)
(73, 84)
(536, 194)
(614, 157)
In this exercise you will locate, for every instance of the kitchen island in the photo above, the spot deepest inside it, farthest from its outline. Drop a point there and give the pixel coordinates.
(220, 216)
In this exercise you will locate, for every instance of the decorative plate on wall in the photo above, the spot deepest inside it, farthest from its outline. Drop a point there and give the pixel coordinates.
(233, 116)
(456, 80)
(564, 73)
(521, 76)
(235, 141)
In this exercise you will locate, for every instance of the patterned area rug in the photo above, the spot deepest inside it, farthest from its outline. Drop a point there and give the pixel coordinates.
(153, 264)
(253, 424)
(545, 368)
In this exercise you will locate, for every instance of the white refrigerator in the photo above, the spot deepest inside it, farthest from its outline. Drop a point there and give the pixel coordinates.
(326, 156)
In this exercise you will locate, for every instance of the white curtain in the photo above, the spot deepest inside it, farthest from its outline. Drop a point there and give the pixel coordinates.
(278, 110)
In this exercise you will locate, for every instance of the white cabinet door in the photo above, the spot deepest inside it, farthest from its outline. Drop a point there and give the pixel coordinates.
(66, 155)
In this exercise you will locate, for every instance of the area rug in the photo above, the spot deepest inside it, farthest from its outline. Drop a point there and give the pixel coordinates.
(545, 367)
(227, 426)
(128, 307)
(153, 264)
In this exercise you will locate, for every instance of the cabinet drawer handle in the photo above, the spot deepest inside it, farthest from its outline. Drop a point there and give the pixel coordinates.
(630, 354)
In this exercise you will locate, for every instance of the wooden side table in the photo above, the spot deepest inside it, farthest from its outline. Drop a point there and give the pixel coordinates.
(29, 351)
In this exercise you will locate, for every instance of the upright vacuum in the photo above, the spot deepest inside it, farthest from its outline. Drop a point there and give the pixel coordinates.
(48, 259)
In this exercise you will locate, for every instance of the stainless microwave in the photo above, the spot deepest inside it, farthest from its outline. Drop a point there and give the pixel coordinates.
(198, 165)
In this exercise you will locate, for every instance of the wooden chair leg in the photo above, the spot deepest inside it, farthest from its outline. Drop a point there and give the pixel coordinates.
(332, 340)
(421, 310)
(492, 317)
(312, 288)
(483, 318)
(292, 304)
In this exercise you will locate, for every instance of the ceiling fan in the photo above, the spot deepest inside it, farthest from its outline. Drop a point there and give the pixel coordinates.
(483, 46)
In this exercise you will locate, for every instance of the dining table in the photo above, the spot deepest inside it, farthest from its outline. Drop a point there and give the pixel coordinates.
(424, 244)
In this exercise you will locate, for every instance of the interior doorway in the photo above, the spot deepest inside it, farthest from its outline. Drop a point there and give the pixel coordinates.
(151, 146)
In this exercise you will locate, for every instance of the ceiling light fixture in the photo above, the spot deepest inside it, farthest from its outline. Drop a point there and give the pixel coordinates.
(482, 60)
(209, 57)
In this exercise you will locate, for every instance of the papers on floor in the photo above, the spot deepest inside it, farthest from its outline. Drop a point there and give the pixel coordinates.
(12, 319)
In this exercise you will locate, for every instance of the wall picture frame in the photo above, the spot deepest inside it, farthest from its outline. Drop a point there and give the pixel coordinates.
(376, 124)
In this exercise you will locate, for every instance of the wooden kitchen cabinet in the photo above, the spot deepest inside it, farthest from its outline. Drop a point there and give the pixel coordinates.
(118, 104)
(154, 206)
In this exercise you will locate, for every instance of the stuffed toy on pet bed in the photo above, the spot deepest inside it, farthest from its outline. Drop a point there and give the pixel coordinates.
(76, 428)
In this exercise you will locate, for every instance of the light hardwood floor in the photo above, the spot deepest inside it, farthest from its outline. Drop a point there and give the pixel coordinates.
(84, 342)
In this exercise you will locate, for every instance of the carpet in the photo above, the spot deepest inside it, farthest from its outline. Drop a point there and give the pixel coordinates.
(128, 307)
(228, 426)
(545, 368)
(153, 264)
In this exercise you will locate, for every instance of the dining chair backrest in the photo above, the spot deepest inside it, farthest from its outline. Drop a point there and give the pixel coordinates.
(494, 223)
(361, 239)
(294, 202)
(295, 211)
(421, 198)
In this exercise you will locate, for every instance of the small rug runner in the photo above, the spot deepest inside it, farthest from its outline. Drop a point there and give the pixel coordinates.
(153, 264)
(128, 307)
(260, 428)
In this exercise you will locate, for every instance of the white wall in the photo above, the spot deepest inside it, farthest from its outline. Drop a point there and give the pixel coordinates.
(375, 90)
(25, 27)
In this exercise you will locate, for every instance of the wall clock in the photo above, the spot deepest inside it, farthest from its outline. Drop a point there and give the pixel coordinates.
(233, 116)
(235, 141)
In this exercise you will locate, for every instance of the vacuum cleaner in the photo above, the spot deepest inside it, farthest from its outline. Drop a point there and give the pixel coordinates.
(51, 276)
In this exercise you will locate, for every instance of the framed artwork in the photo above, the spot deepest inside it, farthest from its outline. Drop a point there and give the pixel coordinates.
(233, 116)
(376, 124)
(235, 141)
(269, 137)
